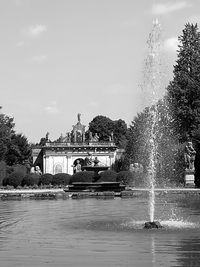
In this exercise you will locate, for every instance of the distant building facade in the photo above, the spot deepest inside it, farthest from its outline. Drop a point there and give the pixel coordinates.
(62, 156)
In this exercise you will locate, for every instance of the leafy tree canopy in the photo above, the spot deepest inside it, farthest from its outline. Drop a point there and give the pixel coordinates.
(6, 131)
(184, 89)
(18, 150)
(14, 148)
(105, 127)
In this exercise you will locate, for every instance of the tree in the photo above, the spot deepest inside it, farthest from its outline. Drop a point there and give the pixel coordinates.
(14, 148)
(170, 165)
(137, 136)
(6, 131)
(120, 133)
(166, 145)
(18, 150)
(184, 89)
(104, 127)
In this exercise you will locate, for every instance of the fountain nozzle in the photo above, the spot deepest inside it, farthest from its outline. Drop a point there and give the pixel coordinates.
(152, 225)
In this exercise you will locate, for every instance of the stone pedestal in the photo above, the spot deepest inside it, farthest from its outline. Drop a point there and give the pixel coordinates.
(189, 178)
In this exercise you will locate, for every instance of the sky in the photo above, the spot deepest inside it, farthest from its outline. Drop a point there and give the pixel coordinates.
(59, 58)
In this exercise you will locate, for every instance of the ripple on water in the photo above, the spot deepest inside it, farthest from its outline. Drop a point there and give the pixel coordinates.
(179, 224)
(167, 224)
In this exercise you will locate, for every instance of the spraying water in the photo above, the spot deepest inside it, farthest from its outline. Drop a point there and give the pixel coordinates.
(151, 87)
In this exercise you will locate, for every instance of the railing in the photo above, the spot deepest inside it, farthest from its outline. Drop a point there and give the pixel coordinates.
(82, 144)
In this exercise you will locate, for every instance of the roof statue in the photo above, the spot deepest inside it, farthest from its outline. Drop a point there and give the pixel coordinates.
(79, 117)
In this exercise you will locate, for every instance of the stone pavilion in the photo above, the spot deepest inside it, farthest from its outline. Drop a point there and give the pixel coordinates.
(61, 156)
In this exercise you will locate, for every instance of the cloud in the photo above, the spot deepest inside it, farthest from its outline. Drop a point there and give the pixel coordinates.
(171, 44)
(165, 8)
(39, 59)
(35, 31)
(52, 108)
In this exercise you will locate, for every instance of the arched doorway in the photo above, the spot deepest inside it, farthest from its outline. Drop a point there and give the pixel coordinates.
(58, 168)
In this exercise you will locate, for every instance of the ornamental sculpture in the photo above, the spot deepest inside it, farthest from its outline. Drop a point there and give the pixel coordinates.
(189, 155)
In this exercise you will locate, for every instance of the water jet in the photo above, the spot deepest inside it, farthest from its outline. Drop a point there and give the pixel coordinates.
(151, 86)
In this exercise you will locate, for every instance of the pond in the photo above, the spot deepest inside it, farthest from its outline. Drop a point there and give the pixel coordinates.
(100, 232)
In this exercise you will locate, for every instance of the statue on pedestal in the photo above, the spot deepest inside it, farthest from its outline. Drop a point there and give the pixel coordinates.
(90, 136)
(96, 161)
(189, 155)
(47, 137)
(61, 138)
(79, 117)
(112, 136)
(88, 161)
(77, 167)
(96, 137)
(36, 170)
(69, 137)
(78, 132)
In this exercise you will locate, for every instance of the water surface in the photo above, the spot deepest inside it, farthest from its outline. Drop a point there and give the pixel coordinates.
(99, 232)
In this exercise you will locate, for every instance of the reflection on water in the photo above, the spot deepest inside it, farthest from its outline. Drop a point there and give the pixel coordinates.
(189, 252)
(91, 232)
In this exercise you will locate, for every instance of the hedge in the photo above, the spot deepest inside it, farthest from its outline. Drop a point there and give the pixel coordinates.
(107, 176)
(46, 179)
(132, 178)
(85, 176)
(31, 179)
(19, 168)
(14, 179)
(61, 179)
(2, 171)
(125, 177)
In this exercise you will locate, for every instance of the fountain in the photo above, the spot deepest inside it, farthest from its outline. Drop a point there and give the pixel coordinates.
(95, 167)
(151, 86)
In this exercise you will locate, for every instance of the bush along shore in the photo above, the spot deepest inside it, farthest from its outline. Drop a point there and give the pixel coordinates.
(19, 179)
(18, 185)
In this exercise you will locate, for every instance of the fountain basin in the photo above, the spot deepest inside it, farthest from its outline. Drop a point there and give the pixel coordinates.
(96, 187)
(96, 170)
(152, 225)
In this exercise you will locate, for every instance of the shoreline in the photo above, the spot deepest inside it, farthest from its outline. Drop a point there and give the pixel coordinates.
(28, 191)
(62, 193)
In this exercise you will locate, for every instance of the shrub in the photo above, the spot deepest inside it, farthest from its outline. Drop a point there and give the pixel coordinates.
(31, 179)
(4, 182)
(140, 179)
(46, 179)
(14, 179)
(6, 170)
(9, 187)
(125, 177)
(9, 170)
(61, 179)
(85, 176)
(107, 176)
(35, 186)
(2, 171)
(20, 168)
